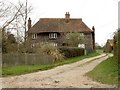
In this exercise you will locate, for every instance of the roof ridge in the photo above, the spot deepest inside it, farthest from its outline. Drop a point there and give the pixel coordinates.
(60, 18)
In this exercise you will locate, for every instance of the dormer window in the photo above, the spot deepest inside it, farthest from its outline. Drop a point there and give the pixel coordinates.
(52, 35)
(34, 36)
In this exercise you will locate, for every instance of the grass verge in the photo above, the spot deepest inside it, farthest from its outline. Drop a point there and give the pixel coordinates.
(106, 72)
(23, 69)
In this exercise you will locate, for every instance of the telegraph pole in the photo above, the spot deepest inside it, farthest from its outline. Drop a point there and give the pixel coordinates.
(25, 27)
(26, 21)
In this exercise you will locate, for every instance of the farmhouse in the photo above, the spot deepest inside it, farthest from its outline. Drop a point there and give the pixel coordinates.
(54, 30)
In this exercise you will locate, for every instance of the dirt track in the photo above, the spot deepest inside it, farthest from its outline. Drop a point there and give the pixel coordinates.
(66, 76)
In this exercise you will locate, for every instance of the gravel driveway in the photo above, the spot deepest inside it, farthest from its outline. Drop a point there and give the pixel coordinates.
(66, 76)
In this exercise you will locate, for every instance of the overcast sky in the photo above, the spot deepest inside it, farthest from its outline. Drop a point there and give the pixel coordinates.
(119, 15)
(103, 14)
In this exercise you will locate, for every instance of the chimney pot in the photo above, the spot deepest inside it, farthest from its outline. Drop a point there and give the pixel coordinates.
(66, 15)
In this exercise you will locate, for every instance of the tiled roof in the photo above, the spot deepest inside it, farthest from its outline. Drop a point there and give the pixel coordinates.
(59, 25)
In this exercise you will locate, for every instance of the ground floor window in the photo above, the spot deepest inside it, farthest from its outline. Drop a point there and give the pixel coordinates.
(54, 44)
(32, 45)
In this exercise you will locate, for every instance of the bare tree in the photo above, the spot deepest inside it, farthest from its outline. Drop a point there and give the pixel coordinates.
(14, 17)
(12, 12)
(4, 9)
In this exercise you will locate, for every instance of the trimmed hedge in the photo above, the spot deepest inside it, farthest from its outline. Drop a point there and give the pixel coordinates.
(71, 51)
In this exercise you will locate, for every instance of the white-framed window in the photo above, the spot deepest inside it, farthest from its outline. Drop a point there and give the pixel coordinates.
(53, 35)
(54, 44)
(34, 36)
(32, 45)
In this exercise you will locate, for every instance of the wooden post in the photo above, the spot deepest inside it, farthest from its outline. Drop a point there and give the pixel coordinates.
(93, 37)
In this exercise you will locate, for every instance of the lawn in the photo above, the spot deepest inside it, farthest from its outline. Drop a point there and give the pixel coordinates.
(106, 72)
(23, 69)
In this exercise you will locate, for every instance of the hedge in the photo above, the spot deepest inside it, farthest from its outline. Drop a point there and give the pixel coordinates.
(71, 51)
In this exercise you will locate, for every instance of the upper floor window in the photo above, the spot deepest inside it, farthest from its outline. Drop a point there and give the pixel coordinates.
(34, 36)
(52, 35)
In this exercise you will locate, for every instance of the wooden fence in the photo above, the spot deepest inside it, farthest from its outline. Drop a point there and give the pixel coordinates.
(19, 59)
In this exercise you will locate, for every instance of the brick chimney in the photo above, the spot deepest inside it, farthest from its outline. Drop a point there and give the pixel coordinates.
(67, 17)
(29, 24)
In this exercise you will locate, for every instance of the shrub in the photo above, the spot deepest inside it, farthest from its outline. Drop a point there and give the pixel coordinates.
(51, 50)
(71, 51)
(117, 45)
(74, 38)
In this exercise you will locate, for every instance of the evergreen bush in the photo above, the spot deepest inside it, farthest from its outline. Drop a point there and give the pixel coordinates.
(71, 51)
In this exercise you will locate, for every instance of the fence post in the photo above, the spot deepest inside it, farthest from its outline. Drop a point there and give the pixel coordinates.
(25, 58)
